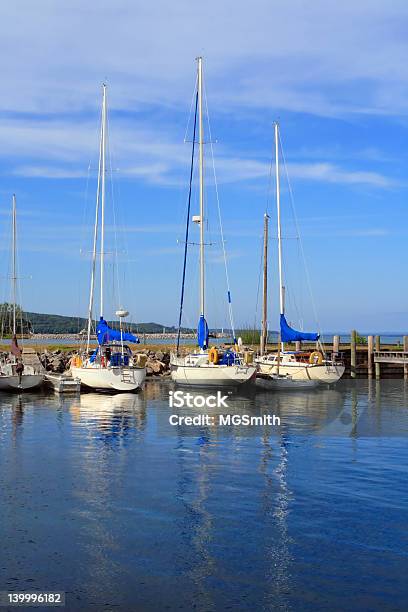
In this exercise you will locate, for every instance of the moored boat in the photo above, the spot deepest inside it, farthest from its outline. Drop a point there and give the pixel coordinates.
(112, 365)
(21, 369)
(310, 367)
(207, 367)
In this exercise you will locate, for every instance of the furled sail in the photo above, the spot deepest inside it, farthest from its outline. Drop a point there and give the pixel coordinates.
(202, 333)
(291, 335)
(106, 334)
(15, 349)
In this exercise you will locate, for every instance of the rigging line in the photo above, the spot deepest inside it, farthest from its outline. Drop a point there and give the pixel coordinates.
(299, 237)
(231, 316)
(115, 264)
(259, 284)
(269, 190)
(187, 227)
(191, 107)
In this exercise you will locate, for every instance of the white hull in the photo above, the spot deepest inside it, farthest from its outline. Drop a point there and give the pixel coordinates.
(27, 381)
(325, 373)
(211, 375)
(116, 378)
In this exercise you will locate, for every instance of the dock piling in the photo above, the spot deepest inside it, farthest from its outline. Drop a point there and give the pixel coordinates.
(336, 345)
(353, 355)
(370, 349)
(377, 365)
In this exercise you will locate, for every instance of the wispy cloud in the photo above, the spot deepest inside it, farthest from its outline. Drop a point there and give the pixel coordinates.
(143, 153)
(309, 64)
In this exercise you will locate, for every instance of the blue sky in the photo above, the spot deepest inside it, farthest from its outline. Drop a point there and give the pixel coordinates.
(334, 75)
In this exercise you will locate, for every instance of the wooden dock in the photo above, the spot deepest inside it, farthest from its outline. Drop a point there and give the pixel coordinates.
(396, 357)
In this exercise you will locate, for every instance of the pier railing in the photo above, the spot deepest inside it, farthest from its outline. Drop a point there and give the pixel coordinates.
(397, 357)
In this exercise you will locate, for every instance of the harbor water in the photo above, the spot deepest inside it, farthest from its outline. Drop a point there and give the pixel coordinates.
(104, 499)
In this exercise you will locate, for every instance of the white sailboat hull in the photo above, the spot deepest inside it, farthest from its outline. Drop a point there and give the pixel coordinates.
(115, 378)
(325, 373)
(15, 383)
(211, 375)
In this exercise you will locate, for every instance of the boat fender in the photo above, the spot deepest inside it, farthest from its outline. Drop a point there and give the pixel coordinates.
(248, 357)
(141, 360)
(213, 355)
(316, 358)
(76, 361)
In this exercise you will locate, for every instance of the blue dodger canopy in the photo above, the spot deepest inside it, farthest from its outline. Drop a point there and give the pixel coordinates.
(291, 335)
(107, 334)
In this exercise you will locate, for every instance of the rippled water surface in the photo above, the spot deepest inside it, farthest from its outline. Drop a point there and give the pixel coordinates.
(102, 498)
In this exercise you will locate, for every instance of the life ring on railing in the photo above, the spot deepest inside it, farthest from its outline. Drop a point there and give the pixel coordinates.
(213, 355)
(316, 358)
(76, 361)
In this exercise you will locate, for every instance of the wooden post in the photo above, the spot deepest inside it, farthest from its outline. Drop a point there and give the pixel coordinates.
(405, 350)
(265, 288)
(297, 345)
(377, 365)
(336, 345)
(370, 348)
(353, 339)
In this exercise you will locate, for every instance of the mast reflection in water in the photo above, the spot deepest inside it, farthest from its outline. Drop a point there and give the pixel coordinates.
(104, 499)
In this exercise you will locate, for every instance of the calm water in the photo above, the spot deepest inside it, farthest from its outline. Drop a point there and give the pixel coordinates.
(103, 499)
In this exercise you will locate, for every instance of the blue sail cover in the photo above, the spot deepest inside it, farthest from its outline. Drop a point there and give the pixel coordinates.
(202, 333)
(291, 335)
(106, 334)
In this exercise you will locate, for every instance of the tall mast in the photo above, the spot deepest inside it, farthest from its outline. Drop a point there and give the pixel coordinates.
(264, 333)
(281, 287)
(95, 239)
(14, 276)
(103, 172)
(201, 166)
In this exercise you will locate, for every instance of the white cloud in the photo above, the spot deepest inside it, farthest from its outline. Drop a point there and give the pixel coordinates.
(334, 60)
(315, 57)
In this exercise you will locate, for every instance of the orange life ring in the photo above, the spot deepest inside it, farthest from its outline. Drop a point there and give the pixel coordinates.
(316, 358)
(213, 355)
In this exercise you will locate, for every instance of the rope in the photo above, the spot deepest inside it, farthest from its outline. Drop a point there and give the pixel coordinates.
(116, 258)
(231, 317)
(187, 228)
(299, 238)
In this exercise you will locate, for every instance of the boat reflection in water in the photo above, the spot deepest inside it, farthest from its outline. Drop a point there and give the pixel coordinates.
(110, 417)
(230, 514)
(299, 411)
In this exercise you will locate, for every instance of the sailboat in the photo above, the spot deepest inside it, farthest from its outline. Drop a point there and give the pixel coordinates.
(298, 365)
(206, 367)
(274, 380)
(112, 365)
(15, 371)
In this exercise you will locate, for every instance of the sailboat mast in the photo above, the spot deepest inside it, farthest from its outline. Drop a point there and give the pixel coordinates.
(278, 209)
(265, 287)
(14, 276)
(95, 239)
(103, 173)
(201, 171)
